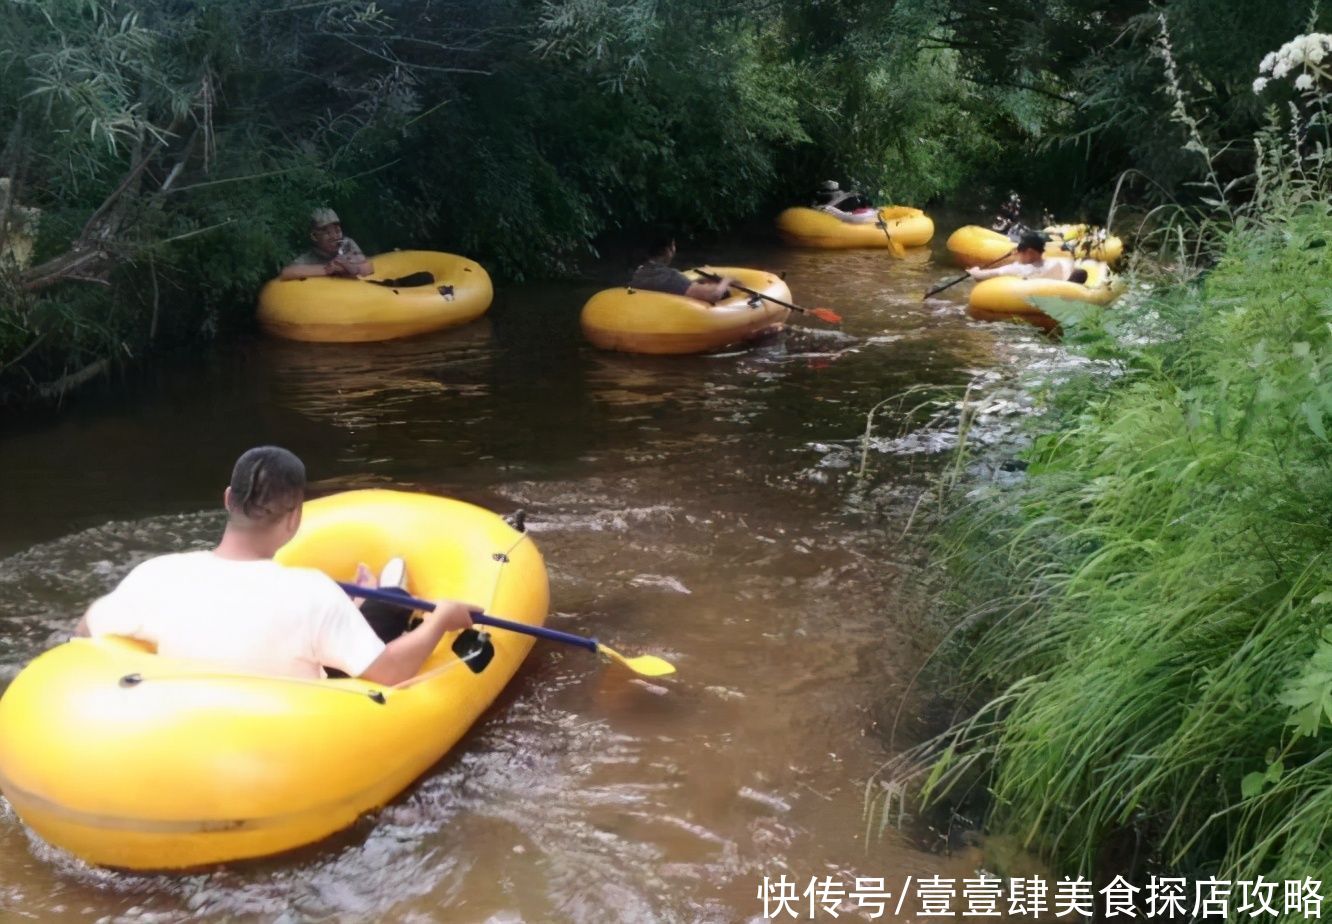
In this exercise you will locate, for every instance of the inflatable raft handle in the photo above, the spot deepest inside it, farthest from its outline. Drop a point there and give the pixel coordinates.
(646, 665)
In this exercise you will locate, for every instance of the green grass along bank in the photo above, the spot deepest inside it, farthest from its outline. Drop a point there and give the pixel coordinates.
(1147, 617)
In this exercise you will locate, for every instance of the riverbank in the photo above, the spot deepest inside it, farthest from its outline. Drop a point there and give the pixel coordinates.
(1145, 614)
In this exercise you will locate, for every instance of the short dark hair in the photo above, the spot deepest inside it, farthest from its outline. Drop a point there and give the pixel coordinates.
(1079, 276)
(267, 483)
(1032, 240)
(659, 243)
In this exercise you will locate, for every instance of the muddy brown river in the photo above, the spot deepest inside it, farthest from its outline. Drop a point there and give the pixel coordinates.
(702, 508)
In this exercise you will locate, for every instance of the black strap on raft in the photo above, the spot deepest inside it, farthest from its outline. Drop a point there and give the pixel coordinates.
(411, 280)
(474, 648)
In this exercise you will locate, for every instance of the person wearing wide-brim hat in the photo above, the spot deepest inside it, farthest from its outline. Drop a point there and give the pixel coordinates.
(332, 254)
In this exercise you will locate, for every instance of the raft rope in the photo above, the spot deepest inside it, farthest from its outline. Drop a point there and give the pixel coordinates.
(375, 696)
(503, 559)
(517, 520)
(133, 680)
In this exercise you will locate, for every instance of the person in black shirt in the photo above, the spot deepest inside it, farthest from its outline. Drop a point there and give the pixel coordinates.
(655, 274)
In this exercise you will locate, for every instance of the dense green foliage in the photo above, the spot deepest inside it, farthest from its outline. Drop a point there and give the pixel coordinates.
(1156, 593)
(173, 148)
(1152, 602)
(1088, 76)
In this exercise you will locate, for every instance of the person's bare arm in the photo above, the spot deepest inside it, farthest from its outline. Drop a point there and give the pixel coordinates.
(358, 266)
(403, 657)
(303, 271)
(350, 265)
(711, 292)
(81, 630)
(1013, 269)
(341, 266)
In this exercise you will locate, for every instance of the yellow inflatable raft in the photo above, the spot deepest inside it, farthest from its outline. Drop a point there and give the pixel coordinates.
(1008, 298)
(639, 321)
(1086, 242)
(330, 309)
(806, 227)
(972, 245)
(130, 760)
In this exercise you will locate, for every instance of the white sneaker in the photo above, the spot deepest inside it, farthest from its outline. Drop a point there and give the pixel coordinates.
(394, 574)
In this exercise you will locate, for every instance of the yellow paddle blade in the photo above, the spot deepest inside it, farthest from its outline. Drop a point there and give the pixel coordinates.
(643, 665)
(894, 248)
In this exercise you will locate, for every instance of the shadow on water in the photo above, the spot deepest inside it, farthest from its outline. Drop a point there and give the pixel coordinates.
(702, 508)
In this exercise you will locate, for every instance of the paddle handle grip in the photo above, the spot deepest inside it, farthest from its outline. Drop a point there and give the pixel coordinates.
(402, 599)
(749, 291)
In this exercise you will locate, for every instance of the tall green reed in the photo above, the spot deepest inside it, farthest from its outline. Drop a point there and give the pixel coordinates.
(1153, 604)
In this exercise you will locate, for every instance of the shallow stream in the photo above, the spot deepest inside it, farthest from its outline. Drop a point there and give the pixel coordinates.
(702, 508)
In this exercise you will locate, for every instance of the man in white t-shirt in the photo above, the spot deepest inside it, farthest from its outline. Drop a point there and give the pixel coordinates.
(1031, 262)
(237, 608)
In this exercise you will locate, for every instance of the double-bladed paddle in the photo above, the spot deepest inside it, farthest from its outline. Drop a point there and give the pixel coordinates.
(643, 665)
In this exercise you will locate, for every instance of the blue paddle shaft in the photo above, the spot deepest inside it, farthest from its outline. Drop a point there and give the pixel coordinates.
(402, 599)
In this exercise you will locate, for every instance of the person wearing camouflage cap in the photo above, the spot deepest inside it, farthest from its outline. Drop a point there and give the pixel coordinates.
(332, 253)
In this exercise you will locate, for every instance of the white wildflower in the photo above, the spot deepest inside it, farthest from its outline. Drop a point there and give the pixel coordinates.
(1299, 54)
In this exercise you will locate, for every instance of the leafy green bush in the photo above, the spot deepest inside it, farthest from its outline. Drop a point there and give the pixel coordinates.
(1153, 601)
(174, 149)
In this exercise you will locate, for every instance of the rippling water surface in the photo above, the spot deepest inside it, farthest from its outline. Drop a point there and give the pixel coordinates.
(702, 508)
